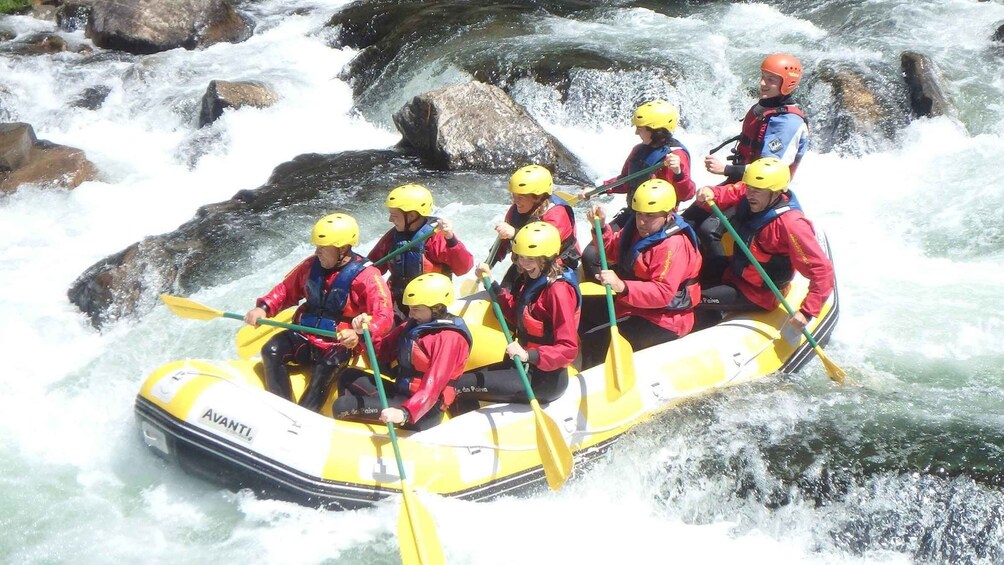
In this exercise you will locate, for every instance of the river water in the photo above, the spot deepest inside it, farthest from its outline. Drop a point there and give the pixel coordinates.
(907, 468)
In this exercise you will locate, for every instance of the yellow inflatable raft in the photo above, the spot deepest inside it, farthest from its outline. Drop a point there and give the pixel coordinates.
(215, 420)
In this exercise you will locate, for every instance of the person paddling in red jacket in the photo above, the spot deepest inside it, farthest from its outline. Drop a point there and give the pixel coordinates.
(410, 209)
(654, 266)
(429, 350)
(654, 124)
(336, 285)
(769, 219)
(532, 187)
(543, 306)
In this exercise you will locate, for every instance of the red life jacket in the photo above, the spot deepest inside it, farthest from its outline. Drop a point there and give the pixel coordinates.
(534, 333)
(413, 362)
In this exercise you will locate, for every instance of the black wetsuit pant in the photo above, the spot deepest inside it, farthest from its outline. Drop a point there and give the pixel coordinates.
(358, 398)
(710, 231)
(716, 301)
(501, 382)
(292, 348)
(591, 255)
(594, 331)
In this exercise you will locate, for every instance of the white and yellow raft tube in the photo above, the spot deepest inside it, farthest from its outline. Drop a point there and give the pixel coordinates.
(215, 419)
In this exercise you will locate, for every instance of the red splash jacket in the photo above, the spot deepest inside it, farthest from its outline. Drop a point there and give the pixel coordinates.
(659, 274)
(788, 235)
(551, 322)
(438, 358)
(368, 293)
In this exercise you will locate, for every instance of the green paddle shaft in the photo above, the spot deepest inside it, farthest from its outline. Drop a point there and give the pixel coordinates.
(759, 268)
(383, 396)
(508, 337)
(626, 178)
(268, 322)
(603, 264)
(407, 246)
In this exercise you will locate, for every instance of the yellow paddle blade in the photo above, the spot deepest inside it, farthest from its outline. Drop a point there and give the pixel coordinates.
(554, 453)
(619, 365)
(191, 309)
(468, 287)
(250, 339)
(589, 288)
(416, 532)
(570, 198)
(835, 373)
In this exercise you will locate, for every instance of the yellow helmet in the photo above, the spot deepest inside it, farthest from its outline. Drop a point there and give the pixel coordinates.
(654, 195)
(336, 229)
(656, 114)
(531, 179)
(429, 290)
(537, 239)
(769, 173)
(411, 198)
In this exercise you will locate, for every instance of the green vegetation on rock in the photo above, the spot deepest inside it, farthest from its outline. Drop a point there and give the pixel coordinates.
(14, 6)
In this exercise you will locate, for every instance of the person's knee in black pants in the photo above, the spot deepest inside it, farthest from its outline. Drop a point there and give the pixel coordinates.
(325, 370)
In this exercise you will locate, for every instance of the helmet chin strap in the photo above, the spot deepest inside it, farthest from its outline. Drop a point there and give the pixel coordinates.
(408, 223)
(342, 256)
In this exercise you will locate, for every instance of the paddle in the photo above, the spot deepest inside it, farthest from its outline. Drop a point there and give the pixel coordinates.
(554, 453)
(416, 532)
(573, 198)
(470, 286)
(620, 357)
(832, 370)
(252, 338)
(187, 308)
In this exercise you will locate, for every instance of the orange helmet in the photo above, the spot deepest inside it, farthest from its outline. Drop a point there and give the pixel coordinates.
(785, 66)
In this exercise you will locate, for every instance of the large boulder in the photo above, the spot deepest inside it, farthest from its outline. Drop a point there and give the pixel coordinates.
(24, 159)
(233, 235)
(864, 108)
(150, 26)
(475, 126)
(926, 85)
(998, 35)
(222, 94)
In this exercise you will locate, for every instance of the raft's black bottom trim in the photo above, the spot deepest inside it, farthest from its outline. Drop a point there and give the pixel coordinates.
(236, 467)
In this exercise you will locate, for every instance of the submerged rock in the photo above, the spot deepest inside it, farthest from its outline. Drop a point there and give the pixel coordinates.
(865, 107)
(222, 94)
(228, 236)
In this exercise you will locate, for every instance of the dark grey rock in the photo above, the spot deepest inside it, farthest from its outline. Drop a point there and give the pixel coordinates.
(926, 85)
(223, 237)
(92, 97)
